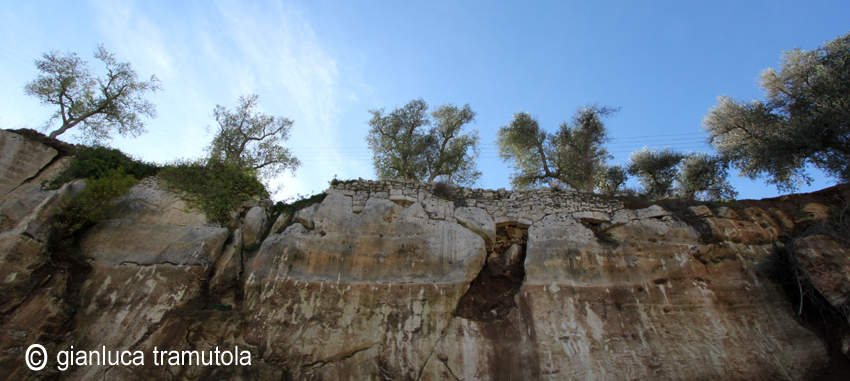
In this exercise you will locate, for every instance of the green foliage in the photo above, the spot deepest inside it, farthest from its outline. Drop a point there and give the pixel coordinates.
(575, 155)
(667, 173)
(336, 181)
(450, 154)
(442, 190)
(301, 202)
(289, 209)
(252, 139)
(397, 141)
(704, 177)
(581, 147)
(97, 162)
(656, 170)
(219, 307)
(94, 203)
(614, 180)
(100, 104)
(216, 187)
(524, 144)
(804, 119)
(607, 238)
(403, 149)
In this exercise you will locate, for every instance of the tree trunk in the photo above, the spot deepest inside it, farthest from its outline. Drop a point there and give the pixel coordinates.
(59, 131)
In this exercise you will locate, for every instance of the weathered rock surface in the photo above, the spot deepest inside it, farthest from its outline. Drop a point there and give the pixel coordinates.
(361, 293)
(145, 265)
(25, 227)
(479, 221)
(382, 280)
(826, 261)
(824, 265)
(254, 226)
(21, 159)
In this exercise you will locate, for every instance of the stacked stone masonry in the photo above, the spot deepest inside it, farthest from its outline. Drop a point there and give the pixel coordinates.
(507, 207)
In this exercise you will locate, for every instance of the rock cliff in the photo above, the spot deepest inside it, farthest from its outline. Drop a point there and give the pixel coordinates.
(387, 280)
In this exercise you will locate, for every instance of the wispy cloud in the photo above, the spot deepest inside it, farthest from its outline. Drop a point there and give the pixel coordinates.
(278, 56)
(217, 53)
(284, 58)
(129, 31)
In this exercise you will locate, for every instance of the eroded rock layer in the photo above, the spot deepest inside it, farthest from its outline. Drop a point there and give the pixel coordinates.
(386, 281)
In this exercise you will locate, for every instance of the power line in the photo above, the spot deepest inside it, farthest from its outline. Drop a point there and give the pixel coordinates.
(658, 136)
(488, 146)
(627, 147)
(20, 54)
(4, 55)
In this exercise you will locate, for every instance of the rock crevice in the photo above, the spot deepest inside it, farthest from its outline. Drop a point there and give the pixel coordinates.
(385, 280)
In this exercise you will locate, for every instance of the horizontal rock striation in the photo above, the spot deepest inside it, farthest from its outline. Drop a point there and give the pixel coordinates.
(388, 280)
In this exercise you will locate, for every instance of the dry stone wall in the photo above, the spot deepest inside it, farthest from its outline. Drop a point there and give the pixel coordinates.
(507, 207)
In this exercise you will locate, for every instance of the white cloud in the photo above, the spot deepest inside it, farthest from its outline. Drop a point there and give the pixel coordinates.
(280, 58)
(283, 53)
(217, 53)
(137, 37)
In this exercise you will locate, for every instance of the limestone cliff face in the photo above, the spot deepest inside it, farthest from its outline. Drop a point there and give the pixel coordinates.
(386, 281)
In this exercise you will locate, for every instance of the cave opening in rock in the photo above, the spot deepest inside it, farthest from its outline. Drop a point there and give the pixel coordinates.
(490, 296)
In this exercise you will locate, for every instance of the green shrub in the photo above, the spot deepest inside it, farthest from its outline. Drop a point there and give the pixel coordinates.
(608, 238)
(300, 203)
(92, 205)
(97, 162)
(336, 181)
(216, 187)
(289, 209)
(219, 307)
(442, 190)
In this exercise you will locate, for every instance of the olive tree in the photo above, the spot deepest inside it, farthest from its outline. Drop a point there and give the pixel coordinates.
(252, 139)
(804, 119)
(613, 181)
(409, 143)
(96, 105)
(705, 177)
(656, 170)
(575, 155)
(668, 173)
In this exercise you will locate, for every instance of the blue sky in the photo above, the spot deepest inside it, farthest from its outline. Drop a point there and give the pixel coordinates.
(323, 64)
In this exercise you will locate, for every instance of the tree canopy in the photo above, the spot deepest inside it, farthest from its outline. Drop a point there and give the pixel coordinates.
(575, 155)
(656, 170)
(98, 104)
(409, 143)
(668, 173)
(252, 139)
(804, 119)
(613, 181)
(705, 177)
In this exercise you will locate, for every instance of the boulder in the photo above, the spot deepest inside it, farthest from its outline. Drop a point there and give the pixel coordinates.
(816, 211)
(513, 255)
(592, 217)
(305, 216)
(479, 221)
(254, 226)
